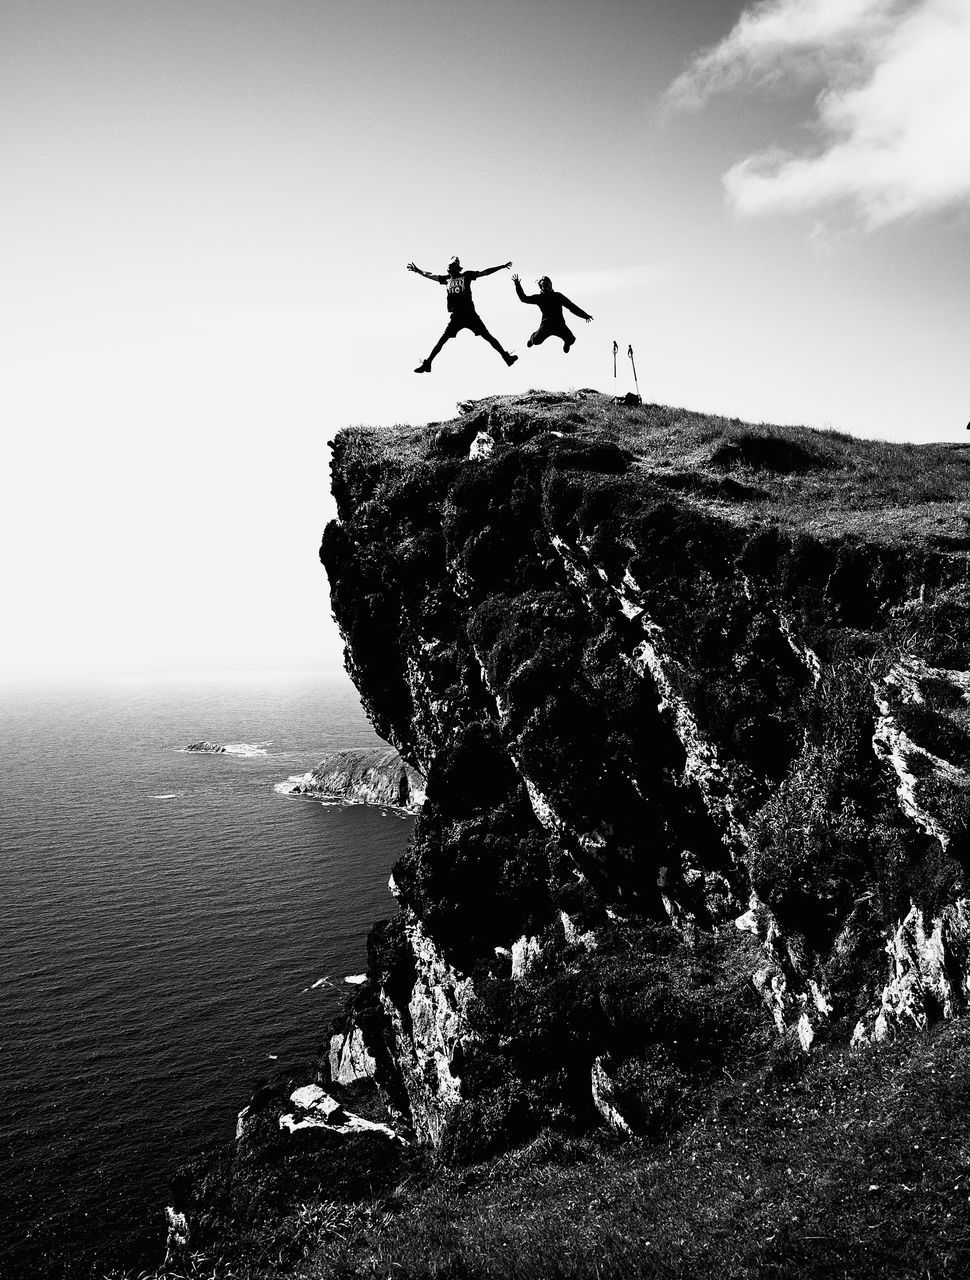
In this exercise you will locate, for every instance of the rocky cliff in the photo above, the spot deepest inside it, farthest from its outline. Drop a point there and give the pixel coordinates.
(692, 698)
(362, 776)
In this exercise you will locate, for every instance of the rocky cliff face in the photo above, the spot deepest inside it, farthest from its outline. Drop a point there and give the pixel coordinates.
(692, 699)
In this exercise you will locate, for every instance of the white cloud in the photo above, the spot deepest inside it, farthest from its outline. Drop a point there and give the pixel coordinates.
(892, 113)
(783, 39)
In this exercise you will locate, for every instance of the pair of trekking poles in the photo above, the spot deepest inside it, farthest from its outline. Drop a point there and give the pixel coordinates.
(629, 352)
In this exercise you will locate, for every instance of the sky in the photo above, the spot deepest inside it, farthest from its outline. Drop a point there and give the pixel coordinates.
(208, 210)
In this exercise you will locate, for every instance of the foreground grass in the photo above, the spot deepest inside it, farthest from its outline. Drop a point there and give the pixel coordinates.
(848, 1164)
(854, 1166)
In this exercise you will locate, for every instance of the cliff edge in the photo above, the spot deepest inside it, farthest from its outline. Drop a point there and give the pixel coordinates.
(692, 699)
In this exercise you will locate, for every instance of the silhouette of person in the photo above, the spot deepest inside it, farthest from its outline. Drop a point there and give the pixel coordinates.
(550, 303)
(461, 308)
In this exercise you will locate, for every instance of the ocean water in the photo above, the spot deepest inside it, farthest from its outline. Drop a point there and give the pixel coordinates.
(172, 930)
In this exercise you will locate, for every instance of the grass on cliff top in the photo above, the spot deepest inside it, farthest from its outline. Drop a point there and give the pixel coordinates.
(840, 1165)
(823, 481)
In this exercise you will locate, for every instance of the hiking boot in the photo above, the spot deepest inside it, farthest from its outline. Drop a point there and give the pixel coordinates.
(530, 343)
(509, 358)
(424, 367)
(567, 344)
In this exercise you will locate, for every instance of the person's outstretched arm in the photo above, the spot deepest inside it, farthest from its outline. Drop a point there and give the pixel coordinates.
(489, 271)
(427, 274)
(571, 306)
(524, 297)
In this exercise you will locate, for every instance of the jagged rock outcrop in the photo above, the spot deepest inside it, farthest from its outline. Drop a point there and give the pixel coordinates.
(314, 1108)
(663, 673)
(206, 748)
(350, 1059)
(363, 776)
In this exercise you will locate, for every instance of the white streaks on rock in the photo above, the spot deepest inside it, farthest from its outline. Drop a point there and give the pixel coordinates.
(177, 1238)
(481, 446)
(429, 1034)
(601, 1084)
(350, 1059)
(574, 935)
(920, 773)
(525, 953)
(929, 964)
(803, 652)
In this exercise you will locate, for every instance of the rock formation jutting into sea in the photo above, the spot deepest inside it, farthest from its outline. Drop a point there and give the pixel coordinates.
(692, 699)
(364, 775)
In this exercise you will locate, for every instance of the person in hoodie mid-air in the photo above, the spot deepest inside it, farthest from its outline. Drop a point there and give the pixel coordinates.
(461, 309)
(551, 303)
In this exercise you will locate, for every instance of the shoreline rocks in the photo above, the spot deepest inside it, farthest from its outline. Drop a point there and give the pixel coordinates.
(362, 776)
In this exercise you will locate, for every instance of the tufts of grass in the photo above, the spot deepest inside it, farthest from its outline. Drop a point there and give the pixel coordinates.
(849, 1165)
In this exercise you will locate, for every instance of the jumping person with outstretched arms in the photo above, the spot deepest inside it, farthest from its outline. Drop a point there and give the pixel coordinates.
(461, 309)
(550, 303)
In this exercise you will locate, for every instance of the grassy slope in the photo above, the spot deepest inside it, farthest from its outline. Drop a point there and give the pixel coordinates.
(854, 1164)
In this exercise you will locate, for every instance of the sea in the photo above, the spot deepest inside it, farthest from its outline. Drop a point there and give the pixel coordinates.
(173, 931)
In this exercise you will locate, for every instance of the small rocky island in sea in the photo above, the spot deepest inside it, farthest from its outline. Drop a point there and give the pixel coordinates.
(373, 775)
(206, 748)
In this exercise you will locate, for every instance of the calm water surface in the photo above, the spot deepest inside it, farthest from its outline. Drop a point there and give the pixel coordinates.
(163, 918)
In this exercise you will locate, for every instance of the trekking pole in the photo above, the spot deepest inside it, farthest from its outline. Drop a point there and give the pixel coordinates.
(615, 350)
(629, 352)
